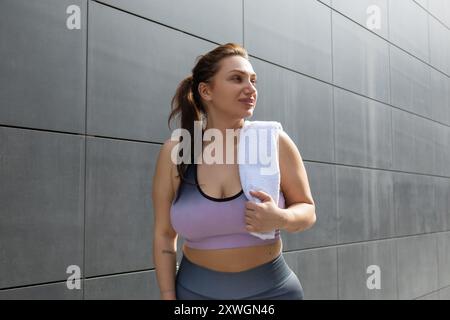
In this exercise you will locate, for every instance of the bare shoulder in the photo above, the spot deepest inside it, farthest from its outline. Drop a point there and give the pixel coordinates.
(167, 148)
(162, 190)
(294, 179)
(289, 155)
(287, 147)
(166, 169)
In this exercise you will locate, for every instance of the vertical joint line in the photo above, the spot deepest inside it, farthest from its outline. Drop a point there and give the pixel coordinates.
(396, 268)
(429, 40)
(85, 151)
(391, 109)
(337, 272)
(436, 239)
(332, 46)
(243, 28)
(334, 153)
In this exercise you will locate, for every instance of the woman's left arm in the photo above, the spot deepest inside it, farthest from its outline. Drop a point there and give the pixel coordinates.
(300, 210)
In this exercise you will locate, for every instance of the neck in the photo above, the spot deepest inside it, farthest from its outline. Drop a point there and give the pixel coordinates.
(223, 125)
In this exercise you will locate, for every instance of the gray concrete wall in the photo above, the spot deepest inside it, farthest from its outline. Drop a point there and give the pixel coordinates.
(83, 113)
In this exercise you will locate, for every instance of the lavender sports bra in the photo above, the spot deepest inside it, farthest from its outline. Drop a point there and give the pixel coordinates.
(212, 223)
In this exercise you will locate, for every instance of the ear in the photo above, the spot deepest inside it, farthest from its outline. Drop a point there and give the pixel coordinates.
(204, 91)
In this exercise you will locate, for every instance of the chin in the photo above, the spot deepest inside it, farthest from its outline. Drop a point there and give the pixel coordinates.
(244, 112)
(249, 112)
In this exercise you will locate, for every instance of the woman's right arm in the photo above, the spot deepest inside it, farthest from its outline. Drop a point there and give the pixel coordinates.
(164, 236)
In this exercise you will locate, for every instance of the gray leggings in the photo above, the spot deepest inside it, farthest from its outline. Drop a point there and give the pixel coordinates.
(273, 280)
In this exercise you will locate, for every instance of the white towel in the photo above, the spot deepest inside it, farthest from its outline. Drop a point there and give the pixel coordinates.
(258, 162)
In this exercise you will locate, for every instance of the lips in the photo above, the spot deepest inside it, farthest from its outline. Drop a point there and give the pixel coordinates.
(247, 101)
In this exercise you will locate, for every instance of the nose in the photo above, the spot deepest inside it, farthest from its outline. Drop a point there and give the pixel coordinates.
(250, 88)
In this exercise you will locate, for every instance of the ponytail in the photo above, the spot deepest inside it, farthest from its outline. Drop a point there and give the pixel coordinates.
(187, 103)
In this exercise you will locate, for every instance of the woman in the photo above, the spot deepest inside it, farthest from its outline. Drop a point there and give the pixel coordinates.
(205, 204)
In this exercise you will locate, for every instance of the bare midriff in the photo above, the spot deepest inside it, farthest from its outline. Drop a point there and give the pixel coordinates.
(233, 259)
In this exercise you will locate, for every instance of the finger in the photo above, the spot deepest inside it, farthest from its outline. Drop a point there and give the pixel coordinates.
(261, 195)
(249, 205)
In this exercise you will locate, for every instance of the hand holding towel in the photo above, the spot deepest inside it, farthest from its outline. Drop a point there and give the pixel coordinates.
(258, 162)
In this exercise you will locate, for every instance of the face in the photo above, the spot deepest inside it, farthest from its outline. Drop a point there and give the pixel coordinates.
(232, 91)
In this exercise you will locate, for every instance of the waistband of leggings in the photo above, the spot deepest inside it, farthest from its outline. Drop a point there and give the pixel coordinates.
(209, 282)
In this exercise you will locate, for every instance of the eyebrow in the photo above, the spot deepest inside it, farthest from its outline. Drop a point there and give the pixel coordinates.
(240, 71)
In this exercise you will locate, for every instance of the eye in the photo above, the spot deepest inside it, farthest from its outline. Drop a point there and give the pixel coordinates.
(239, 77)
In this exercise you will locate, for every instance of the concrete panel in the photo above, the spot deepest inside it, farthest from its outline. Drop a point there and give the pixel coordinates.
(410, 83)
(442, 149)
(221, 22)
(327, 2)
(41, 212)
(440, 97)
(54, 291)
(414, 143)
(416, 266)
(365, 204)
(412, 37)
(443, 240)
(439, 46)
(317, 272)
(135, 67)
(363, 131)
(119, 214)
(431, 296)
(442, 202)
(131, 286)
(444, 294)
(324, 232)
(423, 3)
(296, 35)
(361, 11)
(356, 276)
(414, 204)
(43, 65)
(360, 59)
(441, 10)
(304, 107)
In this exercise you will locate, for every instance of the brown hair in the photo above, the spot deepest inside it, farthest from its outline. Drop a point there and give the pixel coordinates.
(187, 101)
